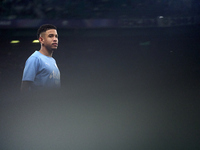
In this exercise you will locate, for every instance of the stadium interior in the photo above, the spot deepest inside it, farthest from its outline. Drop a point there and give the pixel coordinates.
(130, 75)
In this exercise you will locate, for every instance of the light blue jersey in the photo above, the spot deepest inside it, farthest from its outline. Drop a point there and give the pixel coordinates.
(42, 71)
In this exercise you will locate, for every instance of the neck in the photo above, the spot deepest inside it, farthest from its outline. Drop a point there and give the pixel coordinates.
(46, 52)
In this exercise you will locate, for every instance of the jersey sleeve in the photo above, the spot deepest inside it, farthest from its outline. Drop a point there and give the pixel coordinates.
(31, 68)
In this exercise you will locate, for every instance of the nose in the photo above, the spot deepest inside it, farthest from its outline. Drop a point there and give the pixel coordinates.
(55, 38)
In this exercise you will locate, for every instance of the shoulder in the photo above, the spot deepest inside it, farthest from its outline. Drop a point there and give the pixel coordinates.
(35, 56)
(32, 59)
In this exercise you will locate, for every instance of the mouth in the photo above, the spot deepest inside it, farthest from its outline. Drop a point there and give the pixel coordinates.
(55, 44)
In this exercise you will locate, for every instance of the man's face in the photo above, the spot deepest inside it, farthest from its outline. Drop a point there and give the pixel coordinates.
(50, 39)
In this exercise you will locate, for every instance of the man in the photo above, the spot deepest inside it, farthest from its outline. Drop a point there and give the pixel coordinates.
(41, 71)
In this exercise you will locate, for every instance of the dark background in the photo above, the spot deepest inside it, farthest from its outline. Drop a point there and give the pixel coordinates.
(122, 89)
(119, 91)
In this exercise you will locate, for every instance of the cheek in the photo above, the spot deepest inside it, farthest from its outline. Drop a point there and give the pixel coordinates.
(48, 41)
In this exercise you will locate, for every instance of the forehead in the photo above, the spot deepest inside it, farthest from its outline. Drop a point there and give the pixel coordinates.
(51, 31)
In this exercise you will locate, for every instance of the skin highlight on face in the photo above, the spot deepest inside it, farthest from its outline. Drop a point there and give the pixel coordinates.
(49, 42)
(49, 39)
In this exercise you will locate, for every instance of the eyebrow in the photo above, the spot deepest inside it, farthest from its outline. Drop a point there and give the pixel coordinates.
(53, 34)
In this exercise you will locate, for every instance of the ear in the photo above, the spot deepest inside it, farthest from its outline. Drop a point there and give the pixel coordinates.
(41, 39)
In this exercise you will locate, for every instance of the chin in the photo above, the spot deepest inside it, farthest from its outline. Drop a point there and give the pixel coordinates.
(54, 49)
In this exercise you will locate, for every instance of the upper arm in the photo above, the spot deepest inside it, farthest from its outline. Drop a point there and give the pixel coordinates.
(30, 70)
(26, 86)
(29, 73)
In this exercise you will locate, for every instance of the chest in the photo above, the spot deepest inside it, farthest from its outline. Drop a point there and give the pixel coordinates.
(48, 66)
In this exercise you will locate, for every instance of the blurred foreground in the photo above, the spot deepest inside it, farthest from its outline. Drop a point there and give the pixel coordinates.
(118, 92)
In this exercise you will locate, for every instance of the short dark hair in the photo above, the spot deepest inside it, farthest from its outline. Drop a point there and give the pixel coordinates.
(44, 28)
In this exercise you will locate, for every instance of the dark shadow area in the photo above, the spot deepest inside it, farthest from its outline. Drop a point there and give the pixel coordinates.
(119, 91)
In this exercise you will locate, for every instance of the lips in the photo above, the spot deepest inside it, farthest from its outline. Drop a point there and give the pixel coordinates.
(55, 44)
